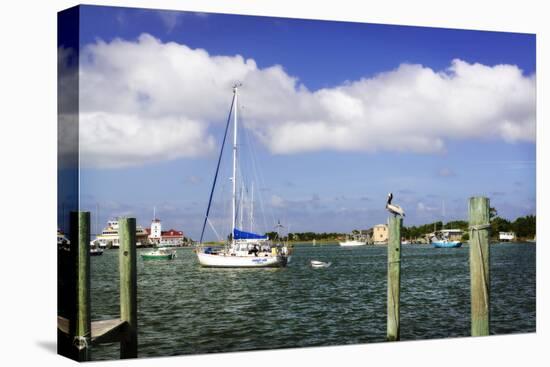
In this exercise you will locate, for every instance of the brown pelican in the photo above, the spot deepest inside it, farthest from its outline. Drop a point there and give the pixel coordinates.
(392, 208)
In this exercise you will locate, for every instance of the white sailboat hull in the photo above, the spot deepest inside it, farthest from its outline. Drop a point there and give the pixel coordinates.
(352, 243)
(227, 261)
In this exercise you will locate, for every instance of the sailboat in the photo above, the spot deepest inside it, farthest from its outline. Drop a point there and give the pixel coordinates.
(441, 239)
(244, 249)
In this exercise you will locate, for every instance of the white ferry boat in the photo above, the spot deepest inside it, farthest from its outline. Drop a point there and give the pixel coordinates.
(109, 237)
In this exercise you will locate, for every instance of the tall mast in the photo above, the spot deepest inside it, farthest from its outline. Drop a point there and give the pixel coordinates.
(252, 209)
(97, 219)
(241, 208)
(443, 214)
(234, 179)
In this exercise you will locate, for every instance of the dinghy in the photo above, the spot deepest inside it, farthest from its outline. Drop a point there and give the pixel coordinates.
(319, 264)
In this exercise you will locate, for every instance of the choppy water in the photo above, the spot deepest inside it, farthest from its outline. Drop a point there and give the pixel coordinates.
(186, 309)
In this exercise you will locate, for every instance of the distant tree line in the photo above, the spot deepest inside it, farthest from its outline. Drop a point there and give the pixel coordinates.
(306, 236)
(524, 227)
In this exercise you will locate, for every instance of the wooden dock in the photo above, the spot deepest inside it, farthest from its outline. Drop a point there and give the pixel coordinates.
(103, 331)
(76, 332)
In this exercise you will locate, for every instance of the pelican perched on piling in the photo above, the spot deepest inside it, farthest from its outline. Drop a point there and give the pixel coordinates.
(392, 208)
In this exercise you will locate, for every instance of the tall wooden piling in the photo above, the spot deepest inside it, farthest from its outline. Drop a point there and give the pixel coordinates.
(128, 286)
(478, 211)
(80, 248)
(394, 276)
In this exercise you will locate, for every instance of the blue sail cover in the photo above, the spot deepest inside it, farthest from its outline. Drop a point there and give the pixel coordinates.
(241, 235)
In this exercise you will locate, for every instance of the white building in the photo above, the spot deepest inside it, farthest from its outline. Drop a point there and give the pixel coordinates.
(506, 236)
(159, 237)
(171, 237)
(380, 234)
(156, 231)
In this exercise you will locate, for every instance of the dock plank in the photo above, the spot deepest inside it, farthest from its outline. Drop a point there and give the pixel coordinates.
(106, 331)
(63, 324)
(103, 331)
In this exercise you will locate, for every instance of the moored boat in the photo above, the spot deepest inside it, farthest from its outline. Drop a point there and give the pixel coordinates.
(443, 237)
(159, 254)
(352, 243)
(445, 243)
(96, 251)
(319, 264)
(245, 249)
(96, 247)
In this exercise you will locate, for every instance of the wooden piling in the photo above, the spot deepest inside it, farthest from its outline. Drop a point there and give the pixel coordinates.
(394, 276)
(478, 212)
(128, 287)
(82, 330)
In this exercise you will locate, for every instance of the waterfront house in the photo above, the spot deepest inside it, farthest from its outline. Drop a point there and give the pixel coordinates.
(158, 237)
(507, 236)
(171, 238)
(380, 234)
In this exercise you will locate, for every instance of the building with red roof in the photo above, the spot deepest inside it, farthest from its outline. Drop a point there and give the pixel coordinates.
(157, 236)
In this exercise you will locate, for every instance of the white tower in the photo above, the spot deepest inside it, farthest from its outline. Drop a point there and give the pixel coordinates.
(156, 229)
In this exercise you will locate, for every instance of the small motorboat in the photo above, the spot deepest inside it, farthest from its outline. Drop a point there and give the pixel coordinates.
(445, 243)
(319, 264)
(159, 254)
(96, 251)
(352, 243)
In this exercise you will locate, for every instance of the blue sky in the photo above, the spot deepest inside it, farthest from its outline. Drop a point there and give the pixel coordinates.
(322, 186)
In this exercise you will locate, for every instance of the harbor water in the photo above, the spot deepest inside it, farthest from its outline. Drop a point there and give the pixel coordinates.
(186, 309)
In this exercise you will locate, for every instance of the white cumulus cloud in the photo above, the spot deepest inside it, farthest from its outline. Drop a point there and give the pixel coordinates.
(145, 100)
(115, 140)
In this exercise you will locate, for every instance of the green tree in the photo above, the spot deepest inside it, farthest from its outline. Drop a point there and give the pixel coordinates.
(457, 224)
(499, 224)
(272, 235)
(493, 213)
(525, 227)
